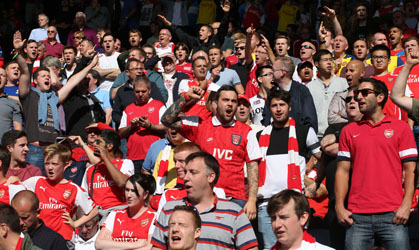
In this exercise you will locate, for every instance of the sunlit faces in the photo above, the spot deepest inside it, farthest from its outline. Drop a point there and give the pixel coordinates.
(84, 47)
(31, 50)
(27, 217)
(265, 80)
(354, 72)
(307, 51)
(19, 150)
(181, 54)
(179, 159)
(12, 72)
(281, 46)
(69, 56)
(243, 110)
(183, 234)
(134, 200)
(360, 50)
(367, 101)
(261, 55)
(117, 45)
(411, 46)
(42, 21)
(54, 168)
(286, 225)
(135, 69)
(88, 229)
(226, 106)
(197, 180)
(204, 33)
(280, 111)
(215, 57)
(240, 50)
(352, 108)
(51, 32)
(200, 68)
(380, 38)
(141, 92)
(340, 44)
(42, 81)
(325, 64)
(108, 44)
(165, 37)
(395, 36)
(134, 39)
(380, 60)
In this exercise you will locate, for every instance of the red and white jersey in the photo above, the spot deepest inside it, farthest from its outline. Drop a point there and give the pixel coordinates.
(252, 86)
(57, 198)
(412, 80)
(390, 108)
(231, 144)
(199, 107)
(105, 192)
(170, 48)
(140, 140)
(126, 229)
(185, 68)
(258, 103)
(8, 192)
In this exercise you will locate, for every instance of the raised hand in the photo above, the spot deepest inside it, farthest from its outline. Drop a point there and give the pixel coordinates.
(412, 58)
(330, 13)
(226, 6)
(164, 20)
(17, 40)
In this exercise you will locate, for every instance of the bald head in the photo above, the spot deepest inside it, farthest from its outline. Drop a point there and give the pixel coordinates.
(26, 204)
(355, 70)
(26, 197)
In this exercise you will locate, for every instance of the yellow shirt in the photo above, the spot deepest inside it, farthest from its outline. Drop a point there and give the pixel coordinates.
(207, 12)
(287, 15)
(171, 171)
(394, 63)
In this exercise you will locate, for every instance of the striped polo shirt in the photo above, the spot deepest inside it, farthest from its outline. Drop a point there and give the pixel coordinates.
(224, 226)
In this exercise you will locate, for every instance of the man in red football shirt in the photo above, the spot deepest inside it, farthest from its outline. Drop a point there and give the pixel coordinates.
(231, 143)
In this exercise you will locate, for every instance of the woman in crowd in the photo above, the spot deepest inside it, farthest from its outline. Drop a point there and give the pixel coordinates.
(131, 227)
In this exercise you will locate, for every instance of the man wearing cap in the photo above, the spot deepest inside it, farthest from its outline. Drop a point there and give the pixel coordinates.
(171, 77)
(305, 72)
(284, 144)
(307, 51)
(244, 109)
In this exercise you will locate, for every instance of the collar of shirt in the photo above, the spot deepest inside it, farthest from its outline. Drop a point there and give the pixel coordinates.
(216, 122)
(95, 91)
(384, 120)
(214, 205)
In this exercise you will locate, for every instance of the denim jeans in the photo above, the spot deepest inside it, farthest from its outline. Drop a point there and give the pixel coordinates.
(366, 227)
(35, 157)
(266, 237)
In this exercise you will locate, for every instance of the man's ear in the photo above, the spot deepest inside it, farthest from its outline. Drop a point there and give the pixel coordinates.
(4, 230)
(214, 105)
(110, 147)
(197, 233)
(9, 148)
(304, 219)
(211, 177)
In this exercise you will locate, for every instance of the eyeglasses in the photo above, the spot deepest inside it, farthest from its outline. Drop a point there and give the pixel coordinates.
(241, 47)
(348, 99)
(268, 74)
(96, 131)
(77, 37)
(365, 92)
(51, 31)
(379, 57)
(306, 47)
(327, 59)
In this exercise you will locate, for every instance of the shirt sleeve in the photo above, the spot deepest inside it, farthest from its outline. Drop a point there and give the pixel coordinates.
(161, 112)
(109, 222)
(189, 126)
(252, 147)
(183, 87)
(17, 113)
(83, 201)
(407, 145)
(14, 189)
(244, 234)
(123, 123)
(160, 233)
(106, 100)
(344, 153)
(235, 78)
(30, 183)
(84, 183)
(312, 141)
(127, 167)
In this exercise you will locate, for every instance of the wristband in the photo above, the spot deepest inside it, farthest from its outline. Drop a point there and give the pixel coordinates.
(187, 98)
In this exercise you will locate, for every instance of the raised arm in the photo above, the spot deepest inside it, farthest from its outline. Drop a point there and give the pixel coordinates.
(267, 46)
(75, 80)
(248, 48)
(331, 14)
(24, 80)
(399, 87)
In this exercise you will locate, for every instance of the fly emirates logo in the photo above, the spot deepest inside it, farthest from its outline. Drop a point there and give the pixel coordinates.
(52, 204)
(102, 182)
(126, 236)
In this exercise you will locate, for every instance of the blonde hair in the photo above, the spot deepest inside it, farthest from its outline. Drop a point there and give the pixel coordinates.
(64, 154)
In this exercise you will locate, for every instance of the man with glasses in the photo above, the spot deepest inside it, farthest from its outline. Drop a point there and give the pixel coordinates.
(26, 204)
(165, 44)
(53, 47)
(240, 66)
(324, 87)
(381, 153)
(40, 33)
(380, 56)
(88, 232)
(264, 77)
(307, 51)
(380, 38)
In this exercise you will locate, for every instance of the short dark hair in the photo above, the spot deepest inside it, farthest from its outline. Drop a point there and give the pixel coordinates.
(279, 200)
(95, 75)
(283, 37)
(277, 92)
(110, 136)
(259, 70)
(320, 53)
(225, 88)
(36, 73)
(5, 159)
(10, 217)
(182, 45)
(198, 58)
(211, 163)
(70, 47)
(135, 31)
(186, 146)
(215, 47)
(142, 79)
(10, 137)
(380, 47)
(188, 209)
(209, 27)
(146, 181)
(90, 42)
(127, 65)
(108, 34)
(410, 39)
(379, 86)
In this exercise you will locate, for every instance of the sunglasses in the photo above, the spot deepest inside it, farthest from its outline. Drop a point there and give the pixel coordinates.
(51, 31)
(241, 47)
(306, 47)
(348, 99)
(96, 131)
(365, 92)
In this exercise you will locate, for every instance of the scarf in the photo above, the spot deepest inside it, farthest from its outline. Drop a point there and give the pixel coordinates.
(294, 176)
(163, 169)
(46, 98)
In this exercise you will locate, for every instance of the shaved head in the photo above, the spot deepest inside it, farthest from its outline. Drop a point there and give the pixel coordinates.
(26, 197)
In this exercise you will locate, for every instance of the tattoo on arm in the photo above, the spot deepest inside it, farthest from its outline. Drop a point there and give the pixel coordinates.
(170, 118)
(253, 178)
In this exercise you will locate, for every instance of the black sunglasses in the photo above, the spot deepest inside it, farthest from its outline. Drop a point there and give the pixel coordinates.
(365, 92)
(348, 99)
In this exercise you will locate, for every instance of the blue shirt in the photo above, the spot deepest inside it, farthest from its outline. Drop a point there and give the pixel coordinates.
(103, 96)
(11, 90)
(226, 77)
(153, 153)
(40, 34)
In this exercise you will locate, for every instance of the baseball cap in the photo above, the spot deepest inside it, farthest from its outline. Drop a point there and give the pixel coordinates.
(241, 96)
(303, 65)
(167, 56)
